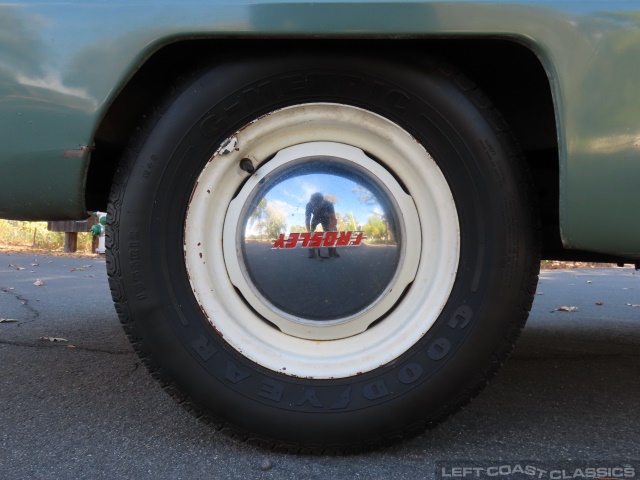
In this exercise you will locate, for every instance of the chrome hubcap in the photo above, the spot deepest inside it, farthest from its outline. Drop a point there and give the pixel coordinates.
(333, 203)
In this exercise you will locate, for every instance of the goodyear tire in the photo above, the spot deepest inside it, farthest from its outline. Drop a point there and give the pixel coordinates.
(246, 340)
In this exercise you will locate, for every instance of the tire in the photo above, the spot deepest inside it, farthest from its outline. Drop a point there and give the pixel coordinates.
(420, 347)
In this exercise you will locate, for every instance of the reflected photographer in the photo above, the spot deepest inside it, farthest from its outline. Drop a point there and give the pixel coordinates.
(320, 211)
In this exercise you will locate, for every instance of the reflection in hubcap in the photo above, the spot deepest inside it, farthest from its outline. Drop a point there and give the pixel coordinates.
(320, 239)
(333, 203)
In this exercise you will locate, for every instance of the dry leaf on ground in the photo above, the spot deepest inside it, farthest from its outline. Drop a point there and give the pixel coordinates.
(567, 309)
(38, 282)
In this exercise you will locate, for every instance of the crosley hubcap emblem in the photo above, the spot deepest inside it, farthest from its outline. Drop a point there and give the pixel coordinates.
(319, 239)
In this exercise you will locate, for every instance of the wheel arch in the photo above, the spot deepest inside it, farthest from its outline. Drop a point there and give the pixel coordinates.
(509, 73)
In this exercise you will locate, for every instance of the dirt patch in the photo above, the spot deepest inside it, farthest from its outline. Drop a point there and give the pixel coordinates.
(22, 250)
(558, 265)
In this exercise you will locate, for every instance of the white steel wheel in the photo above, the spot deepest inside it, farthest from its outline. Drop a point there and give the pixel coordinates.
(322, 252)
(427, 225)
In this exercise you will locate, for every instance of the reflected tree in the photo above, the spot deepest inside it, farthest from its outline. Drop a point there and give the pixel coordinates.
(375, 228)
(347, 222)
(258, 215)
(365, 196)
(274, 222)
(333, 199)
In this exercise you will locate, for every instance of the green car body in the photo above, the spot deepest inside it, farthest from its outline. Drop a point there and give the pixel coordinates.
(476, 137)
(64, 66)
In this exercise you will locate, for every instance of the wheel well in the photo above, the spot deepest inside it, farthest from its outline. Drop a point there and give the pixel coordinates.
(508, 72)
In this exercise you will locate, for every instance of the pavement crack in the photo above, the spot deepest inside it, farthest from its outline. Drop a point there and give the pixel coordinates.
(135, 368)
(25, 303)
(100, 350)
(65, 346)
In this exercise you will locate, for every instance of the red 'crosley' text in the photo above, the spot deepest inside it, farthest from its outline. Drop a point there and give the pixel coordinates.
(319, 239)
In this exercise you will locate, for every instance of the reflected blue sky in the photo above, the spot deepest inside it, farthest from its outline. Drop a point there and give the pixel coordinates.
(290, 197)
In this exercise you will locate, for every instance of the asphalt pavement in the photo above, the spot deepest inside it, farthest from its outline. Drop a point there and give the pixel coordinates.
(84, 407)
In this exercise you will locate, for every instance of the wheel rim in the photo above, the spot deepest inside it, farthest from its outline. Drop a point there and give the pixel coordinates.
(276, 329)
